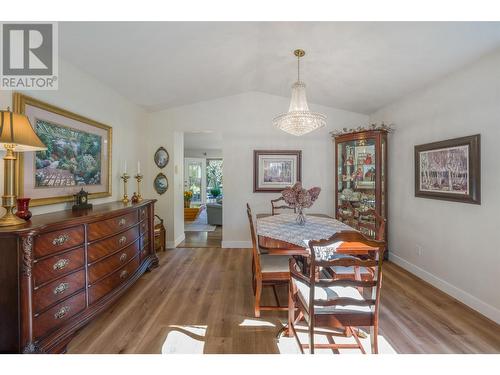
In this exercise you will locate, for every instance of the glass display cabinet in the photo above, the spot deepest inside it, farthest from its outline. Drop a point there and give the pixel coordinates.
(361, 177)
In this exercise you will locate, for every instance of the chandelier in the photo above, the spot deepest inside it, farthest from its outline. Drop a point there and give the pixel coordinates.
(299, 120)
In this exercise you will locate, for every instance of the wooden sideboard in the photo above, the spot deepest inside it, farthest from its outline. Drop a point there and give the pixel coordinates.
(58, 271)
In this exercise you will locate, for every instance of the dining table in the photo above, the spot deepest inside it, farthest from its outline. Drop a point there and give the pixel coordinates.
(282, 235)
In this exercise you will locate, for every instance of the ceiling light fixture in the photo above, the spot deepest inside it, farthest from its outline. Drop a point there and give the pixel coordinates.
(299, 120)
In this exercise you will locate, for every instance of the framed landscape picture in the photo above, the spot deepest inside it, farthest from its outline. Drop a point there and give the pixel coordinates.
(78, 155)
(275, 170)
(449, 170)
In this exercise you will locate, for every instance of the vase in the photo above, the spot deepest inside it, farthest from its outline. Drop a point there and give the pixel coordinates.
(187, 203)
(301, 217)
(23, 205)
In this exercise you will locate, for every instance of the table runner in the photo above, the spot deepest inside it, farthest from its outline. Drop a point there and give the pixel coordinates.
(283, 227)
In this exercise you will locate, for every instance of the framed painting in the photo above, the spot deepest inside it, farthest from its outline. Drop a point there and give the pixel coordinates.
(449, 170)
(161, 157)
(275, 170)
(78, 155)
(160, 183)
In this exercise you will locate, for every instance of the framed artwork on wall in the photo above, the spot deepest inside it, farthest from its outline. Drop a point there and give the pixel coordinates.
(275, 170)
(160, 183)
(449, 170)
(161, 158)
(78, 155)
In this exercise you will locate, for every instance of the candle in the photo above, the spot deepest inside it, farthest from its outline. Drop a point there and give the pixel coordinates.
(138, 167)
(125, 167)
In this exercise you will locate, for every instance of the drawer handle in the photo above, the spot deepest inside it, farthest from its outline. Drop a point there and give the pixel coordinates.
(123, 257)
(60, 264)
(62, 311)
(61, 288)
(143, 213)
(123, 274)
(61, 239)
(122, 222)
(122, 240)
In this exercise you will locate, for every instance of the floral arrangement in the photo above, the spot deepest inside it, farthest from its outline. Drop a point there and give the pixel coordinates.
(388, 128)
(188, 195)
(298, 197)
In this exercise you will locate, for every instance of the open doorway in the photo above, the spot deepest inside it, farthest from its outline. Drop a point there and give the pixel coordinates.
(203, 190)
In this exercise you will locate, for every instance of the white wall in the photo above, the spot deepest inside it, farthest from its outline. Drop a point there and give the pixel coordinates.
(461, 252)
(245, 123)
(82, 94)
(202, 153)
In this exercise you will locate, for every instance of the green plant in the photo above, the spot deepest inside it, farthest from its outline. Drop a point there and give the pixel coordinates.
(215, 191)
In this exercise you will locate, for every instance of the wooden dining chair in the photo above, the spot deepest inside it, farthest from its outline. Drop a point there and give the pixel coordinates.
(267, 270)
(371, 224)
(346, 214)
(276, 205)
(336, 303)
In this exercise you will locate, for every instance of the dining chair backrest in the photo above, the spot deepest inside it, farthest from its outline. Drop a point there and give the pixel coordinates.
(276, 205)
(346, 214)
(371, 224)
(255, 245)
(322, 256)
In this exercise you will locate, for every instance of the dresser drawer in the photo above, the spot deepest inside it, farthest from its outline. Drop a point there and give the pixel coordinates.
(54, 242)
(110, 245)
(57, 290)
(58, 265)
(143, 213)
(144, 251)
(110, 226)
(57, 315)
(143, 227)
(144, 238)
(106, 285)
(113, 262)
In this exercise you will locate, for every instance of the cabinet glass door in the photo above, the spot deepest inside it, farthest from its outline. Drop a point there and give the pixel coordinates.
(356, 175)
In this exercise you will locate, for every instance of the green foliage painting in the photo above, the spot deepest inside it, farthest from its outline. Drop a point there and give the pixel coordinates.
(73, 157)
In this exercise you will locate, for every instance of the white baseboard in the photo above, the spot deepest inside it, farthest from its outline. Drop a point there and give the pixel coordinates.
(178, 240)
(482, 307)
(237, 244)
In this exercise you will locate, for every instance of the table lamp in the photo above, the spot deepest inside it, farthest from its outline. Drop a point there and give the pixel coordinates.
(16, 135)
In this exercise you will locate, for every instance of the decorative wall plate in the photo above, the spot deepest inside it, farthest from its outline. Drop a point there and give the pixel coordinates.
(161, 183)
(161, 157)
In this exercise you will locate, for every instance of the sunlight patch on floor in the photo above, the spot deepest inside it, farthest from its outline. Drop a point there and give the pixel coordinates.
(256, 323)
(288, 345)
(184, 340)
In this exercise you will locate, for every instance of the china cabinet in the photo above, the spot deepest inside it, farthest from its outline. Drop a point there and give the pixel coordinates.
(361, 175)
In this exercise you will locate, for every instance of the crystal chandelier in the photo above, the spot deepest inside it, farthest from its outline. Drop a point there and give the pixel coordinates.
(299, 120)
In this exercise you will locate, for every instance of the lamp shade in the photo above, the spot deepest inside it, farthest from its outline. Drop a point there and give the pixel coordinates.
(16, 130)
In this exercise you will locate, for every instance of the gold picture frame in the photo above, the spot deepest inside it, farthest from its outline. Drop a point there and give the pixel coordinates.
(20, 102)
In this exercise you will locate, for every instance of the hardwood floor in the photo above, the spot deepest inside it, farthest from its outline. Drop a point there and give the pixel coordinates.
(203, 239)
(200, 301)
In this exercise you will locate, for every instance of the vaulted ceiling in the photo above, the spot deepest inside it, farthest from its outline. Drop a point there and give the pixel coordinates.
(357, 66)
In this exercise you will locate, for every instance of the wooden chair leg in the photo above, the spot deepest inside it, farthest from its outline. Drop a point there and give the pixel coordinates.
(258, 293)
(374, 338)
(276, 296)
(311, 335)
(291, 310)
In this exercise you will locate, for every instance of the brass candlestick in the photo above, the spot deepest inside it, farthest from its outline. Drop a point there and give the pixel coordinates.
(138, 177)
(125, 178)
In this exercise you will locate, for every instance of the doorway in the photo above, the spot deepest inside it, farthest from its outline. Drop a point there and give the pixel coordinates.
(203, 191)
